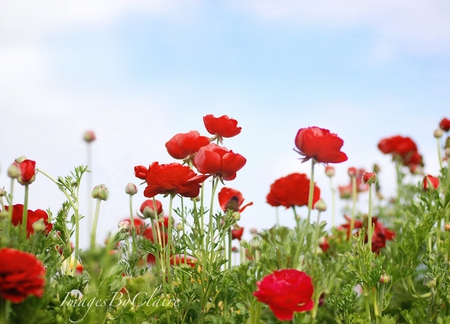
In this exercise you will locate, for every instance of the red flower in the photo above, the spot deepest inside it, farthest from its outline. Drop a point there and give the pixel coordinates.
(33, 216)
(172, 179)
(430, 182)
(179, 259)
(237, 233)
(445, 124)
(324, 244)
(292, 190)
(221, 126)
(286, 291)
(320, 145)
(218, 161)
(140, 172)
(232, 199)
(402, 148)
(345, 192)
(147, 208)
(27, 172)
(21, 274)
(183, 146)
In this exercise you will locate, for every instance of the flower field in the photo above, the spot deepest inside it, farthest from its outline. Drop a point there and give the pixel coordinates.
(388, 263)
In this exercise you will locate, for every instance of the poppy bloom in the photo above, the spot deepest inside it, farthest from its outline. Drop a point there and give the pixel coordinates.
(183, 146)
(445, 124)
(27, 172)
(218, 161)
(430, 182)
(172, 179)
(223, 126)
(292, 190)
(403, 149)
(21, 274)
(232, 199)
(319, 144)
(33, 216)
(286, 291)
(147, 208)
(236, 234)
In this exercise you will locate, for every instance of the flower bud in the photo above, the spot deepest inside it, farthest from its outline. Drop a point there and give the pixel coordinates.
(100, 192)
(253, 231)
(20, 159)
(438, 133)
(131, 189)
(447, 227)
(352, 172)
(89, 136)
(236, 215)
(2, 192)
(369, 177)
(320, 205)
(430, 182)
(14, 171)
(4, 214)
(125, 225)
(179, 227)
(384, 278)
(39, 225)
(329, 171)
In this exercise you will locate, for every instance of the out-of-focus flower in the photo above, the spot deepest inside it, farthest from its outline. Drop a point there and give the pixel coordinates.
(21, 275)
(125, 224)
(218, 161)
(292, 190)
(324, 244)
(232, 199)
(89, 136)
(179, 259)
(329, 171)
(32, 217)
(185, 145)
(27, 172)
(223, 126)
(236, 234)
(430, 182)
(438, 133)
(445, 124)
(172, 179)
(403, 149)
(148, 208)
(319, 144)
(286, 291)
(369, 177)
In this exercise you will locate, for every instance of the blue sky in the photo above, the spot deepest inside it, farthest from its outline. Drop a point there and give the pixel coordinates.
(138, 73)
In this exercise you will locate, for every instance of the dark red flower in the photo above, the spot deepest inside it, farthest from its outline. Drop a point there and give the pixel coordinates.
(232, 199)
(236, 234)
(148, 206)
(286, 291)
(218, 161)
(183, 146)
(223, 126)
(140, 172)
(33, 216)
(27, 172)
(319, 144)
(445, 124)
(21, 274)
(292, 190)
(430, 182)
(397, 145)
(172, 179)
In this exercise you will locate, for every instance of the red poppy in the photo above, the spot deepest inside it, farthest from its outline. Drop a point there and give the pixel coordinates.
(236, 234)
(223, 126)
(218, 161)
(27, 172)
(183, 146)
(21, 274)
(292, 190)
(33, 216)
(147, 208)
(232, 199)
(319, 144)
(172, 179)
(179, 259)
(430, 182)
(403, 149)
(445, 124)
(286, 291)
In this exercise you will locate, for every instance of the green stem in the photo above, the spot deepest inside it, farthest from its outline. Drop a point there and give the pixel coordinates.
(94, 225)
(311, 192)
(354, 197)
(25, 212)
(369, 222)
(3, 310)
(133, 228)
(210, 239)
(333, 203)
(438, 141)
(169, 245)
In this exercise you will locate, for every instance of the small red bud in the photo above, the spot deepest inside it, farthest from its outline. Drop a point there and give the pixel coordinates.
(89, 136)
(329, 171)
(352, 172)
(369, 177)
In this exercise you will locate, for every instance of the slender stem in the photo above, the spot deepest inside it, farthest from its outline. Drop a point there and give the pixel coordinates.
(333, 203)
(3, 310)
(94, 225)
(354, 196)
(369, 222)
(311, 192)
(438, 141)
(89, 185)
(25, 213)
(211, 223)
(133, 228)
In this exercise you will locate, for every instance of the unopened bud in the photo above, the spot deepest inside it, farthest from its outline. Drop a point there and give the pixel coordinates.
(352, 172)
(320, 205)
(125, 225)
(14, 171)
(179, 227)
(236, 215)
(100, 192)
(329, 171)
(369, 177)
(253, 231)
(39, 225)
(447, 227)
(438, 133)
(20, 159)
(131, 189)
(384, 278)
(89, 136)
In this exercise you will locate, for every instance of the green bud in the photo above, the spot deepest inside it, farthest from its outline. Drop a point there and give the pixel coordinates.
(39, 225)
(131, 189)
(100, 192)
